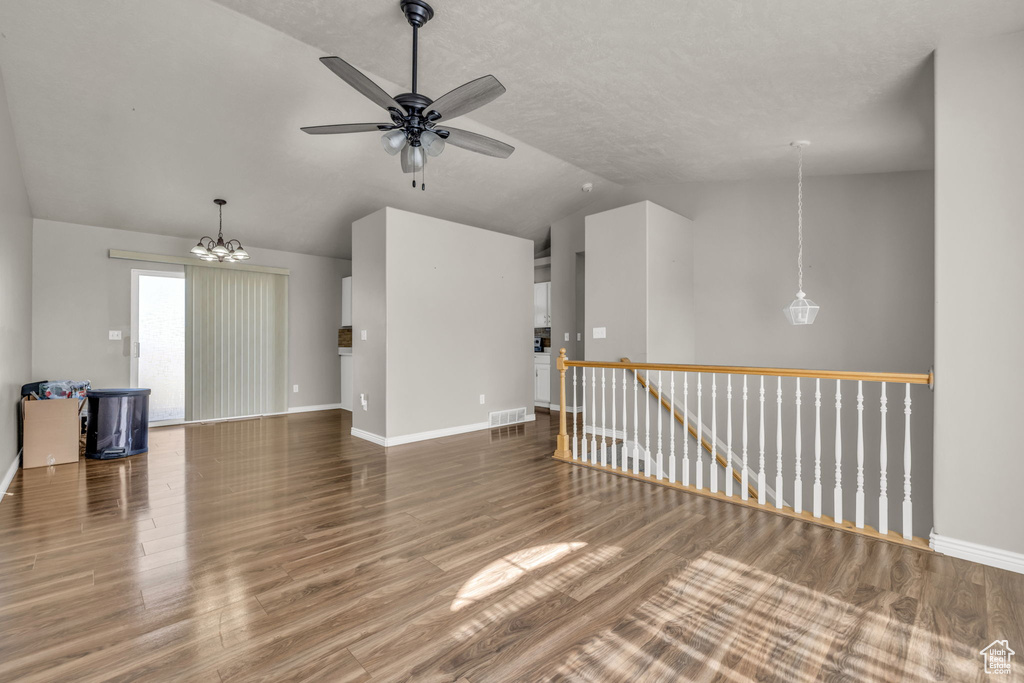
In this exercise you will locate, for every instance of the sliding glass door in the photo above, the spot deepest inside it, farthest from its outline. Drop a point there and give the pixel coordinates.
(158, 342)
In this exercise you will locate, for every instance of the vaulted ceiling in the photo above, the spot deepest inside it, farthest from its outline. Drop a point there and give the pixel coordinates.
(135, 114)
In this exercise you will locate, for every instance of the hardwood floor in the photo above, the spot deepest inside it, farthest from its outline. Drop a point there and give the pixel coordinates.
(284, 549)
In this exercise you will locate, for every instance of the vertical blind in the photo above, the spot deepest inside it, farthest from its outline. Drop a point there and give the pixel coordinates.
(236, 343)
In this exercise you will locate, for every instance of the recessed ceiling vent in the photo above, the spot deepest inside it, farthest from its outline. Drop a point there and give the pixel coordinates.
(500, 418)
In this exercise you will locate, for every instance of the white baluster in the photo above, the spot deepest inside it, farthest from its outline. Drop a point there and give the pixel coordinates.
(883, 462)
(860, 456)
(625, 429)
(700, 435)
(798, 483)
(908, 511)
(604, 430)
(686, 430)
(761, 483)
(728, 439)
(636, 426)
(593, 415)
(714, 434)
(817, 448)
(647, 429)
(583, 441)
(778, 445)
(672, 429)
(575, 418)
(660, 462)
(743, 476)
(612, 445)
(837, 492)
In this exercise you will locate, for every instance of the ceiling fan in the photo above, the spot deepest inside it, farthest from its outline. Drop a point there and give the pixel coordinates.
(418, 128)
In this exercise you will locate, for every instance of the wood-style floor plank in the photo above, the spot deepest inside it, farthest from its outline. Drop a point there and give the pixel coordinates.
(284, 549)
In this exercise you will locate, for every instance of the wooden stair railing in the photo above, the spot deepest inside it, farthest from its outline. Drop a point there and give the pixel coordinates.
(570, 448)
(693, 432)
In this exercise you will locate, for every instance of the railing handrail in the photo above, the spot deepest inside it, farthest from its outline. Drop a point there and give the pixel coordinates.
(898, 377)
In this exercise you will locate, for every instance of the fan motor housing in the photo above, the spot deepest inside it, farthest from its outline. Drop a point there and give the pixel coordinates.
(417, 12)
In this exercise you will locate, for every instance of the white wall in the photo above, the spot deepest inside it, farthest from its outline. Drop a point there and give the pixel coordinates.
(79, 293)
(16, 286)
(639, 285)
(369, 313)
(979, 322)
(459, 307)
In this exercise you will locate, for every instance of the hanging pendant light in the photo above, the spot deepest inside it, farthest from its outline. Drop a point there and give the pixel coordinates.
(802, 311)
(209, 249)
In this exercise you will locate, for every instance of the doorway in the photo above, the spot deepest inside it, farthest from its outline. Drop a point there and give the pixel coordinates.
(158, 342)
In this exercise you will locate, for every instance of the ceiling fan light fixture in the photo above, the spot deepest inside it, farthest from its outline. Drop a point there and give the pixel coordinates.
(394, 141)
(413, 114)
(432, 142)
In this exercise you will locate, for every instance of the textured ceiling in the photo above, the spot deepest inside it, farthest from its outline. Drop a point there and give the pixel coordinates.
(135, 114)
(674, 90)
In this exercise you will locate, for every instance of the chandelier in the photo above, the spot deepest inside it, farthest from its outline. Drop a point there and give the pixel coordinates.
(802, 310)
(210, 249)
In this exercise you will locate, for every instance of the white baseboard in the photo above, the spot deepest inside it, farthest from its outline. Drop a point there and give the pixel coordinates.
(313, 409)
(433, 434)
(369, 436)
(975, 552)
(9, 476)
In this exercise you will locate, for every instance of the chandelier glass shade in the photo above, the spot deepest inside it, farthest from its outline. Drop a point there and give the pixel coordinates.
(209, 249)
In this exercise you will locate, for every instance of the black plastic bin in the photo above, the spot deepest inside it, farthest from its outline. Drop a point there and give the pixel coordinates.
(118, 423)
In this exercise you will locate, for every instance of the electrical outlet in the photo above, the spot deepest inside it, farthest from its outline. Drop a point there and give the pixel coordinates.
(481, 399)
(566, 336)
(114, 335)
(600, 332)
(362, 335)
(295, 388)
(579, 336)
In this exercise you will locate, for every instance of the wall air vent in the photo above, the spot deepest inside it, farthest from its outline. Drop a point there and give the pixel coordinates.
(501, 418)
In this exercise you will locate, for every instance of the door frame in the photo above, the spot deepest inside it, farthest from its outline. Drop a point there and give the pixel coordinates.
(134, 349)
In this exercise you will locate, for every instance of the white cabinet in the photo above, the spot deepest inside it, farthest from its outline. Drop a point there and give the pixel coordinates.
(346, 301)
(542, 379)
(542, 304)
(346, 381)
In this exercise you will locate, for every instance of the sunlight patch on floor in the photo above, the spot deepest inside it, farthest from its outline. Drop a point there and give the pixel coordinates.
(724, 616)
(532, 593)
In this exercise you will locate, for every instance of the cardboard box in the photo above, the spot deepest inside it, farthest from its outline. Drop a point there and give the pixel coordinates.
(51, 430)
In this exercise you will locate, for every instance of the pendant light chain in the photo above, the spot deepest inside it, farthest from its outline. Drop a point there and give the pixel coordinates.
(800, 217)
(220, 218)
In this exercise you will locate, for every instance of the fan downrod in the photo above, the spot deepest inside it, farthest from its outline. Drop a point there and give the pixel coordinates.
(417, 12)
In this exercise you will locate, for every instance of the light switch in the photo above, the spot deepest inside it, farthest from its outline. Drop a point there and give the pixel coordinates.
(114, 335)
(600, 332)
(362, 335)
(481, 399)
(295, 388)
(566, 336)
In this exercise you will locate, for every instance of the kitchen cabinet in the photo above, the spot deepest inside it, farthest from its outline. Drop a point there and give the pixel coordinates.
(542, 304)
(542, 379)
(346, 301)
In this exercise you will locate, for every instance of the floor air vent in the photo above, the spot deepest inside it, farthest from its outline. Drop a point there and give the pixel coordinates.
(501, 418)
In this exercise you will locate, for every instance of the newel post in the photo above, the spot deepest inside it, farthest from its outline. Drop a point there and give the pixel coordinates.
(562, 444)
